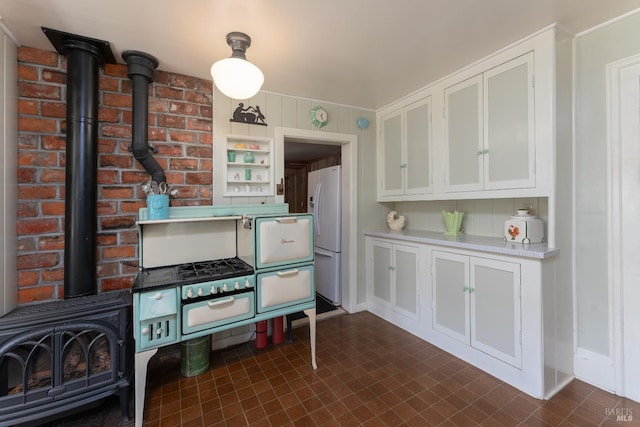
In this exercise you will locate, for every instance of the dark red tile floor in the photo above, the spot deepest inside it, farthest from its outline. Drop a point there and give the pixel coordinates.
(370, 373)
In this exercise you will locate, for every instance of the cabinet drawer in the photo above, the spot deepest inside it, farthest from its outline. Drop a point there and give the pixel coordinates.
(278, 289)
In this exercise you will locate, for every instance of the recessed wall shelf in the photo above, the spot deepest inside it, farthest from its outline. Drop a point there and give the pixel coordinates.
(248, 166)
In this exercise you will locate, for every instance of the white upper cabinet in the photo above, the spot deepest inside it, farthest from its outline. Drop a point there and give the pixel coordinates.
(489, 128)
(463, 135)
(493, 136)
(509, 154)
(391, 172)
(417, 129)
(404, 151)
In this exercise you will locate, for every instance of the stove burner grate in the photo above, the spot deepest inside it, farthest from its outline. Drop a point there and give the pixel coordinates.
(214, 270)
(189, 273)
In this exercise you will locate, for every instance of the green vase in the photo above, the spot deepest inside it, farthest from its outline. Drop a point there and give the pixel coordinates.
(249, 157)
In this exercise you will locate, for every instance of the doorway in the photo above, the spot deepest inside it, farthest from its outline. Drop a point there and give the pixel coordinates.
(300, 158)
(348, 145)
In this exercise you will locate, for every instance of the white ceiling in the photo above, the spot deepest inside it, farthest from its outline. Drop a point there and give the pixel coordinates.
(364, 53)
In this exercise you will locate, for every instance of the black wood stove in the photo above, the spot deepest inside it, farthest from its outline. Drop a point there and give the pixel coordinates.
(62, 355)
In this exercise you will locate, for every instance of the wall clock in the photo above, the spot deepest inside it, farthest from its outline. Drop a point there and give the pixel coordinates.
(319, 116)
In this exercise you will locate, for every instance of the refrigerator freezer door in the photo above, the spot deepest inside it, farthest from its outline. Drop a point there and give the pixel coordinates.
(328, 283)
(325, 203)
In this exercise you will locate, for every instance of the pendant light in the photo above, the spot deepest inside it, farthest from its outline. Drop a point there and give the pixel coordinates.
(236, 77)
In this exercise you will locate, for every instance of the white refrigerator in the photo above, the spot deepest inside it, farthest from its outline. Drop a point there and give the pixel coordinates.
(325, 203)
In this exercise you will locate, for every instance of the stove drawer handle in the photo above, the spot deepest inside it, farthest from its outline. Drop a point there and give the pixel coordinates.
(220, 302)
(287, 220)
(287, 273)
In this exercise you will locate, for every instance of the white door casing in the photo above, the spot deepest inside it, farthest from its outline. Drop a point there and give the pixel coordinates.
(624, 209)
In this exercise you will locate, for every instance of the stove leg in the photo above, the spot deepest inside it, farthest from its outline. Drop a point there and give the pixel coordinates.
(289, 328)
(141, 362)
(311, 313)
(123, 393)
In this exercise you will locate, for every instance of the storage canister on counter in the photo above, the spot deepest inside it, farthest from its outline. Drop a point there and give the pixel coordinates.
(524, 228)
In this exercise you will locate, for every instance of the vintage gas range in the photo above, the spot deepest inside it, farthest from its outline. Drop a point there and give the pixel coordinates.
(207, 269)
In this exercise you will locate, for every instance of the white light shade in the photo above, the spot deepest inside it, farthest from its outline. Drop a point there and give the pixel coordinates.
(237, 78)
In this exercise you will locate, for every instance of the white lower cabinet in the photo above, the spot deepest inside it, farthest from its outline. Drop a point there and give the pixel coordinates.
(394, 275)
(505, 314)
(477, 301)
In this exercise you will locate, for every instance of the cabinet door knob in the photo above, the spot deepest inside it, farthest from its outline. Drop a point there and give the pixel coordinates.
(472, 290)
(391, 267)
(465, 289)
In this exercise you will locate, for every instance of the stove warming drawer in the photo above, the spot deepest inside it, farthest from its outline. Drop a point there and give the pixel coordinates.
(213, 313)
(284, 241)
(283, 288)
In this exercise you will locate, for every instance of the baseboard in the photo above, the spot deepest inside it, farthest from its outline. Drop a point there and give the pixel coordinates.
(361, 307)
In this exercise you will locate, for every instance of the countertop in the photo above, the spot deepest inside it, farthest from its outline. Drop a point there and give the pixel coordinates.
(494, 245)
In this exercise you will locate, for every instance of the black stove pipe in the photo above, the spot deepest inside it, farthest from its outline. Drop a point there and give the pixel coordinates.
(81, 183)
(84, 58)
(141, 66)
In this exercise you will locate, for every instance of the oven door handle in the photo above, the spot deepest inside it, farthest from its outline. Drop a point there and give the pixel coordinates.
(220, 302)
(287, 273)
(287, 220)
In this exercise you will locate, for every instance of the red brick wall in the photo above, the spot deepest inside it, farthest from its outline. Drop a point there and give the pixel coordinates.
(180, 127)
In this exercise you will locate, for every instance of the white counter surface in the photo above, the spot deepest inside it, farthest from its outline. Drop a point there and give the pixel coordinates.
(478, 243)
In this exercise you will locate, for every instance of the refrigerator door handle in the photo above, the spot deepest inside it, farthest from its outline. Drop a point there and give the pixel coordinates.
(316, 204)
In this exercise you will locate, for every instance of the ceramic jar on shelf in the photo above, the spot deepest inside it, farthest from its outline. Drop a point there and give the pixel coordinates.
(249, 157)
(524, 228)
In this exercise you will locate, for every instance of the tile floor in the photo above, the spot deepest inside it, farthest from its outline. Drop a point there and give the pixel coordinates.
(370, 373)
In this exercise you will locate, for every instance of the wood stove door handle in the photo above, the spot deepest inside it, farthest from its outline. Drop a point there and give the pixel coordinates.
(56, 391)
(220, 302)
(287, 273)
